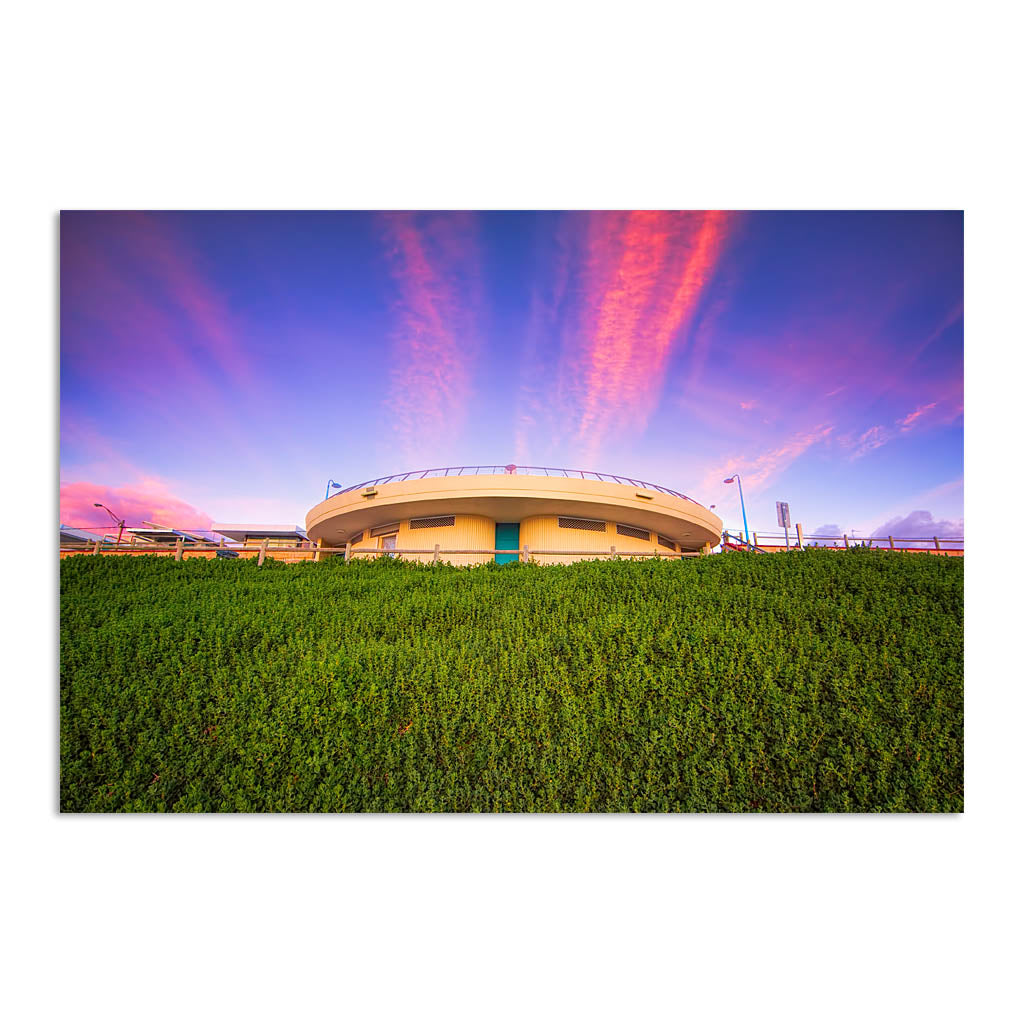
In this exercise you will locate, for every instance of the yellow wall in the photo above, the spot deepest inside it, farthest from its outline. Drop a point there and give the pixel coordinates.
(541, 533)
(473, 532)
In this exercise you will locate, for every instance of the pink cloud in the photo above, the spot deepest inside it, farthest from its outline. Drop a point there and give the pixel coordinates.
(146, 320)
(761, 470)
(908, 421)
(433, 261)
(149, 501)
(871, 439)
(643, 274)
(177, 268)
(747, 405)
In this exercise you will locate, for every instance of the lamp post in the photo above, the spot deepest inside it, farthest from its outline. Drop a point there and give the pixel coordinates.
(120, 522)
(736, 477)
(330, 484)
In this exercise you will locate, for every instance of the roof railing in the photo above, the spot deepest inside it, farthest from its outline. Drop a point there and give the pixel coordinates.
(583, 474)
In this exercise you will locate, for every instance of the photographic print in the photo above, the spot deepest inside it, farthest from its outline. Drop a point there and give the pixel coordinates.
(511, 511)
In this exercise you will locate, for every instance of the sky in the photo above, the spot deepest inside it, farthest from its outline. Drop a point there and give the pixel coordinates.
(221, 367)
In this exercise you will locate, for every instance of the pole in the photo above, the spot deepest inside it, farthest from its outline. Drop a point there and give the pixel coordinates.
(746, 532)
(787, 538)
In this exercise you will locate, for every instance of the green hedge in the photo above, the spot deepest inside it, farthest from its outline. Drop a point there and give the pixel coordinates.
(813, 681)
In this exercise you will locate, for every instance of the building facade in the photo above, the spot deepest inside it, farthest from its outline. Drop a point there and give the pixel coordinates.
(469, 512)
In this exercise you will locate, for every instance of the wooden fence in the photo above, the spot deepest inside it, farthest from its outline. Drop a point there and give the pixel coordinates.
(942, 545)
(180, 550)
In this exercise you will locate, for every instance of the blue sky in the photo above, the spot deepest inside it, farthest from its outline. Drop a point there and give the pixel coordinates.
(223, 365)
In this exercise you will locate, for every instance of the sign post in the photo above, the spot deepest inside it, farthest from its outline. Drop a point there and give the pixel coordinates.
(782, 510)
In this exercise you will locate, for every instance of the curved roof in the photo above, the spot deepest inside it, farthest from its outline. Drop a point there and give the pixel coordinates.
(500, 494)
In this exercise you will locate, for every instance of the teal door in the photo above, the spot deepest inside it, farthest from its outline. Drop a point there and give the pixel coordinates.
(506, 538)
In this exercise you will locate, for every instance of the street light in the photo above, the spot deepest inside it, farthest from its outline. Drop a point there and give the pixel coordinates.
(120, 522)
(736, 477)
(330, 484)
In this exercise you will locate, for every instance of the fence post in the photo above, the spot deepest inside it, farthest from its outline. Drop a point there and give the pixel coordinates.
(96, 548)
(179, 548)
(892, 546)
(799, 536)
(936, 539)
(526, 552)
(846, 541)
(437, 553)
(706, 550)
(755, 538)
(263, 552)
(613, 551)
(348, 550)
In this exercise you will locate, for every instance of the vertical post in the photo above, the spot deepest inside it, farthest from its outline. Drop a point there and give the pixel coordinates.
(526, 552)
(319, 545)
(846, 541)
(263, 552)
(96, 547)
(799, 536)
(179, 548)
(892, 546)
(348, 550)
(755, 538)
(787, 538)
(437, 553)
(936, 539)
(705, 550)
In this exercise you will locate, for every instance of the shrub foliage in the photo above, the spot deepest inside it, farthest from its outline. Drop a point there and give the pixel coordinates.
(813, 681)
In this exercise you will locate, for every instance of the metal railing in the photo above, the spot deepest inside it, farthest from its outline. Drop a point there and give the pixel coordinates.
(737, 541)
(583, 474)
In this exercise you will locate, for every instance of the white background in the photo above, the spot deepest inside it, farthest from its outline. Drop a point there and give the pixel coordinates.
(551, 105)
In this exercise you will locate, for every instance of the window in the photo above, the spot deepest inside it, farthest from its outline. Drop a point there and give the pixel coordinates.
(388, 543)
(433, 523)
(356, 537)
(666, 543)
(596, 525)
(632, 531)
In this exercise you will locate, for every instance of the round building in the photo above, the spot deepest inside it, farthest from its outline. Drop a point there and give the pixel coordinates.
(464, 514)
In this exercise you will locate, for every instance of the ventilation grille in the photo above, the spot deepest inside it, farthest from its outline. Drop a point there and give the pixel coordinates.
(666, 543)
(632, 531)
(383, 531)
(595, 525)
(430, 524)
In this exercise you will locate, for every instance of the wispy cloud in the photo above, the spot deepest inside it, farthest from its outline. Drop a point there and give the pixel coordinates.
(645, 274)
(433, 261)
(870, 440)
(908, 421)
(762, 469)
(879, 435)
(626, 288)
(139, 319)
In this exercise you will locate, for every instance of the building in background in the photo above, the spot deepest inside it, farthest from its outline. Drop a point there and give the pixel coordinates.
(275, 536)
(561, 515)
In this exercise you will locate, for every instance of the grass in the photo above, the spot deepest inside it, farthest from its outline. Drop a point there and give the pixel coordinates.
(812, 681)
